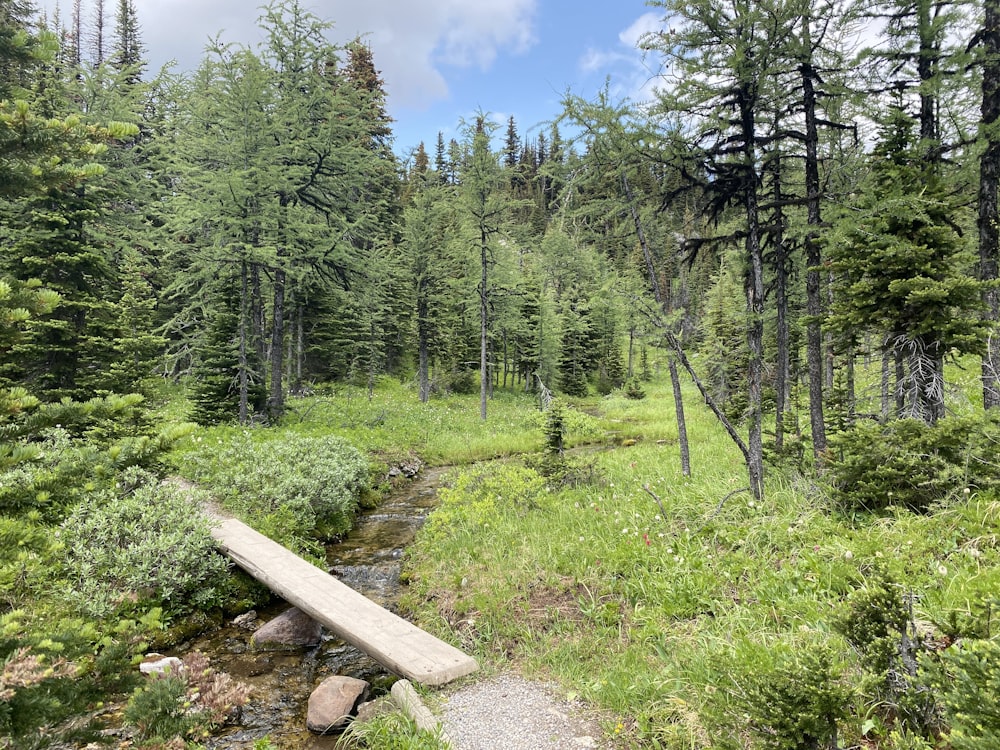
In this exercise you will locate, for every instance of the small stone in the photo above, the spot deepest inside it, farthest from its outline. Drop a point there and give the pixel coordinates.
(373, 709)
(156, 664)
(291, 628)
(246, 620)
(333, 703)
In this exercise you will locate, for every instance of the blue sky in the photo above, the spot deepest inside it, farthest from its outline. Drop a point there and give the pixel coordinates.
(442, 60)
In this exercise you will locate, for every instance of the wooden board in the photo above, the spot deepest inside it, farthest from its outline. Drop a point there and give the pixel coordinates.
(393, 642)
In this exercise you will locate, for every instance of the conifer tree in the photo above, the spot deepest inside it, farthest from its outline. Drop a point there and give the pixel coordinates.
(901, 270)
(484, 205)
(129, 52)
(988, 54)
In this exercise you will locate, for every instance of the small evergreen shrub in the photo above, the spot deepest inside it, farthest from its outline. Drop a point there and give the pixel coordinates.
(148, 546)
(879, 624)
(634, 390)
(184, 705)
(799, 703)
(967, 678)
(912, 464)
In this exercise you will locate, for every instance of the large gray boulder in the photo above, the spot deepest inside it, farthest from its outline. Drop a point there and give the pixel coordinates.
(292, 628)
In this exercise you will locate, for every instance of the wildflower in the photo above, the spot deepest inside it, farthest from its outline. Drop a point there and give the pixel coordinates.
(645, 538)
(942, 570)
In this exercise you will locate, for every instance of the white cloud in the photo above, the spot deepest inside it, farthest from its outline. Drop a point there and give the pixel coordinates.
(647, 23)
(412, 40)
(629, 69)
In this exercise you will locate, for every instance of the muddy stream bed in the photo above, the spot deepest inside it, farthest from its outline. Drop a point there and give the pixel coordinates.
(369, 560)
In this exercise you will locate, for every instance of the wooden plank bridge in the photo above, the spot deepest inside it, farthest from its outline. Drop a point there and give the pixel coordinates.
(389, 639)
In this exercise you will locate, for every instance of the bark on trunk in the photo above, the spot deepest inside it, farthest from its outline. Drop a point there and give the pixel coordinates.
(675, 382)
(781, 302)
(484, 310)
(989, 180)
(682, 436)
(755, 301)
(276, 399)
(814, 300)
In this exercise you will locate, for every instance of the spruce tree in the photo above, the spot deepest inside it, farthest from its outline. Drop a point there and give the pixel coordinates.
(129, 52)
(901, 267)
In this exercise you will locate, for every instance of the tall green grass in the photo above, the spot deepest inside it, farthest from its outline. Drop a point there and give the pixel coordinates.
(669, 618)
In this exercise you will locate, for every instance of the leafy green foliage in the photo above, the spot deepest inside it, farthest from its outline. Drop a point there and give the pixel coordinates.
(148, 545)
(185, 705)
(481, 494)
(797, 703)
(968, 680)
(289, 487)
(391, 732)
(914, 465)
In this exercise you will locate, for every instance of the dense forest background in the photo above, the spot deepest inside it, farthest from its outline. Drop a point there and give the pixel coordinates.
(792, 201)
(804, 222)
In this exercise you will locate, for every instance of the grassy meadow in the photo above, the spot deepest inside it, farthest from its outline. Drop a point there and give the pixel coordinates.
(688, 615)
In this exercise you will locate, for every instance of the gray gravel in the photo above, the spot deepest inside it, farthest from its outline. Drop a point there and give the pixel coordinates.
(508, 712)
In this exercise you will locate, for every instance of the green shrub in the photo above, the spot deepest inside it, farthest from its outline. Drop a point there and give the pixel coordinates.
(879, 624)
(300, 484)
(912, 464)
(634, 390)
(482, 493)
(148, 546)
(968, 681)
(187, 704)
(798, 703)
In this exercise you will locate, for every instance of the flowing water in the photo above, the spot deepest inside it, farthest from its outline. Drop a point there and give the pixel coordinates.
(368, 560)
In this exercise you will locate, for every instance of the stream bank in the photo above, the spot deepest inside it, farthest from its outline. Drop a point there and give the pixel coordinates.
(368, 559)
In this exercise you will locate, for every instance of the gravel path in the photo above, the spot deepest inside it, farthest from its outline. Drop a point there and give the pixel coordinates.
(508, 712)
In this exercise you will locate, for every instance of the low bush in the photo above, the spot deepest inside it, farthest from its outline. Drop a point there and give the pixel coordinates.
(967, 678)
(302, 485)
(143, 546)
(912, 464)
(184, 705)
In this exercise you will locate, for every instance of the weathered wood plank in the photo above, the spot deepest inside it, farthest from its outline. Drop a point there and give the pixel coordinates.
(395, 643)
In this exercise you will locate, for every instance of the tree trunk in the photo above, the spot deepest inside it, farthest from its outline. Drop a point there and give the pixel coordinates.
(299, 345)
(276, 400)
(244, 384)
(675, 382)
(989, 180)
(814, 301)
(886, 406)
(484, 311)
(682, 436)
(781, 302)
(755, 299)
(258, 321)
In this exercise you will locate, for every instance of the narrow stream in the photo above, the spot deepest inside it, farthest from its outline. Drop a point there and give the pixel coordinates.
(368, 560)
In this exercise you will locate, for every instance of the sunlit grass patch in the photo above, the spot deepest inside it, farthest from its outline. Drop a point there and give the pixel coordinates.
(654, 595)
